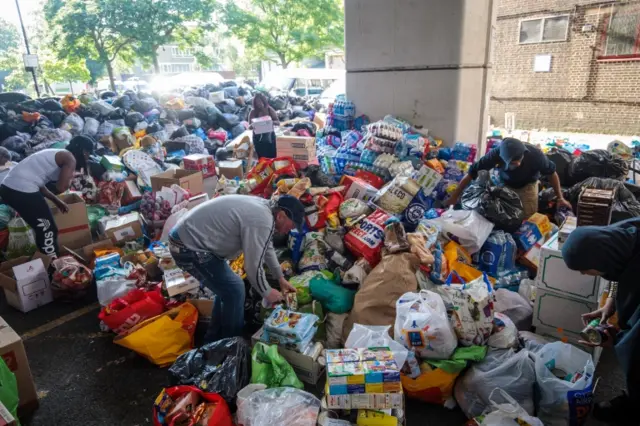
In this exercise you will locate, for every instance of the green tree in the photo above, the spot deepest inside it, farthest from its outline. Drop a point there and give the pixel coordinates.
(9, 38)
(160, 22)
(290, 30)
(63, 70)
(96, 29)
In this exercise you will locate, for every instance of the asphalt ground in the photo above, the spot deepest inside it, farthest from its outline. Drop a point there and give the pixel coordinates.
(84, 379)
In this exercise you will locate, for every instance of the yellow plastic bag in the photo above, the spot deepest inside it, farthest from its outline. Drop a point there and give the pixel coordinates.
(459, 260)
(435, 386)
(164, 338)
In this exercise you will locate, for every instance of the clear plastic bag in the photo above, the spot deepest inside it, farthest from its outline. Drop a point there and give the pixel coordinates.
(468, 228)
(22, 239)
(566, 400)
(369, 336)
(279, 406)
(422, 325)
(505, 333)
(516, 307)
(502, 368)
(505, 411)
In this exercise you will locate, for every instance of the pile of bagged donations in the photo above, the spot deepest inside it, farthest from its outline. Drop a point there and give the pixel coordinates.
(396, 296)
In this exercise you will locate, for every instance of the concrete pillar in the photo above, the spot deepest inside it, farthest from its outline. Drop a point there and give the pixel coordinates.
(426, 61)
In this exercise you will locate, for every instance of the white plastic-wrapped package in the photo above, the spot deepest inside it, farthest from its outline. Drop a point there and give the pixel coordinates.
(501, 368)
(422, 325)
(467, 227)
(279, 406)
(369, 336)
(564, 376)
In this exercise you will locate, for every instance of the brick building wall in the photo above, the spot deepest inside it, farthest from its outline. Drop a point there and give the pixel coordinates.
(585, 90)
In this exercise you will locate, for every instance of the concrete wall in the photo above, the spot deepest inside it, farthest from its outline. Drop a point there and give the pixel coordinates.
(582, 92)
(426, 61)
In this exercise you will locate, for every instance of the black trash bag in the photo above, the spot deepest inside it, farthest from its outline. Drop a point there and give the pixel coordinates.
(13, 97)
(108, 94)
(228, 83)
(317, 176)
(300, 114)
(231, 92)
(96, 169)
(213, 115)
(228, 121)
(547, 201)
(85, 112)
(212, 87)
(221, 154)
(305, 126)
(279, 102)
(227, 107)
(31, 105)
(124, 102)
(237, 130)
(56, 117)
(44, 123)
(132, 95)
(15, 156)
(179, 132)
(170, 116)
(598, 163)
(13, 127)
(145, 105)
(117, 114)
(133, 118)
(185, 114)
(154, 128)
(243, 113)
(500, 205)
(625, 205)
(223, 367)
(284, 115)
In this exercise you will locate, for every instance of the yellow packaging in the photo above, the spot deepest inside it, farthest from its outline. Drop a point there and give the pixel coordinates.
(454, 252)
(375, 418)
(373, 388)
(542, 222)
(355, 380)
(392, 387)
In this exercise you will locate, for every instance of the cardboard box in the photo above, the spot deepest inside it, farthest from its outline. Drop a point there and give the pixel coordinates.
(307, 369)
(569, 225)
(197, 200)
(112, 162)
(558, 311)
(294, 142)
(73, 226)
(200, 162)
(25, 282)
(13, 353)
(131, 192)
(531, 259)
(320, 119)
(361, 190)
(262, 125)
(231, 169)
(6, 418)
(176, 283)
(553, 334)
(554, 275)
(123, 228)
(527, 236)
(366, 401)
(190, 180)
(204, 307)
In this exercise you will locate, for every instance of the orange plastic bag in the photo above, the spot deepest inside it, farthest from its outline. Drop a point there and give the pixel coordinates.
(70, 104)
(434, 387)
(164, 338)
(262, 173)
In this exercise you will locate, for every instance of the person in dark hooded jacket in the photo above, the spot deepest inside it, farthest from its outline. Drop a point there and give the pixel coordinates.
(613, 252)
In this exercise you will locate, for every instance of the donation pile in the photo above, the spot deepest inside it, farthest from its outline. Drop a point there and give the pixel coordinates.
(396, 297)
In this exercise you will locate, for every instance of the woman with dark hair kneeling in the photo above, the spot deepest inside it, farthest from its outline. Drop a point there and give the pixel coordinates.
(613, 252)
(24, 188)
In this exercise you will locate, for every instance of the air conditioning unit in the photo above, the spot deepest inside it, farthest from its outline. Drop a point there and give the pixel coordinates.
(510, 121)
(588, 28)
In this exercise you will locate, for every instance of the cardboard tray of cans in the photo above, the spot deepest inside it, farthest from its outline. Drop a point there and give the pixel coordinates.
(595, 206)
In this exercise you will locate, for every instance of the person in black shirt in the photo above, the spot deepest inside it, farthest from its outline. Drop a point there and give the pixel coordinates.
(521, 165)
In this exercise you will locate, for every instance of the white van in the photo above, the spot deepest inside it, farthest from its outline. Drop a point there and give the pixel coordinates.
(300, 81)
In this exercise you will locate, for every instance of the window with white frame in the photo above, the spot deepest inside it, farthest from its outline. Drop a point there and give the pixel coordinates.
(623, 33)
(175, 68)
(181, 53)
(544, 30)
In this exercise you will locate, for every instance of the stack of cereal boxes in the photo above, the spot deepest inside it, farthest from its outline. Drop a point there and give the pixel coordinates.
(363, 379)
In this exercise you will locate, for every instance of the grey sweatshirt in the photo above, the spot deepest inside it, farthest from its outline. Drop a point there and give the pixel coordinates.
(230, 225)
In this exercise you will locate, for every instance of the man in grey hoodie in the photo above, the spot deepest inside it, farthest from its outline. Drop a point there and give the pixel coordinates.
(219, 230)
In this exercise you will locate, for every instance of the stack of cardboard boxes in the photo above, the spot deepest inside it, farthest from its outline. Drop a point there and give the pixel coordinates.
(301, 149)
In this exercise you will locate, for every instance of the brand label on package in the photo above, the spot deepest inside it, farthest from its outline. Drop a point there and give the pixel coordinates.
(123, 233)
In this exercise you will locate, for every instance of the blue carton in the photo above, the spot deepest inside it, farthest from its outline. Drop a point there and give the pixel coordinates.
(527, 236)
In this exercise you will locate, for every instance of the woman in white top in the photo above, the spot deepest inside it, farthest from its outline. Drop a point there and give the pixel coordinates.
(24, 187)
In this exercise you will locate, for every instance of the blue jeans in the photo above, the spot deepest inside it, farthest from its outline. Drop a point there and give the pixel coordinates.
(227, 317)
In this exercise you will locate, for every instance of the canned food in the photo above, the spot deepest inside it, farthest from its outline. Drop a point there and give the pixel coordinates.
(594, 332)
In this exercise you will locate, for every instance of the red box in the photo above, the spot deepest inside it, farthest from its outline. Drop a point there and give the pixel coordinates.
(201, 162)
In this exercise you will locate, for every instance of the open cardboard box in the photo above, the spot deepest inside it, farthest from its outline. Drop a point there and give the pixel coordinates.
(14, 355)
(25, 281)
(307, 369)
(73, 227)
(191, 180)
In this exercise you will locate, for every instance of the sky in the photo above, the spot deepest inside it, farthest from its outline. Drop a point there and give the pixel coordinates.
(27, 7)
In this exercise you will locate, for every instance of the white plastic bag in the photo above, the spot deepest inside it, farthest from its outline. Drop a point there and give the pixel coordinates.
(279, 406)
(90, 126)
(471, 310)
(370, 336)
(514, 306)
(505, 411)
(113, 287)
(527, 289)
(564, 401)
(422, 325)
(501, 368)
(467, 227)
(505, 333)
(171, 222)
